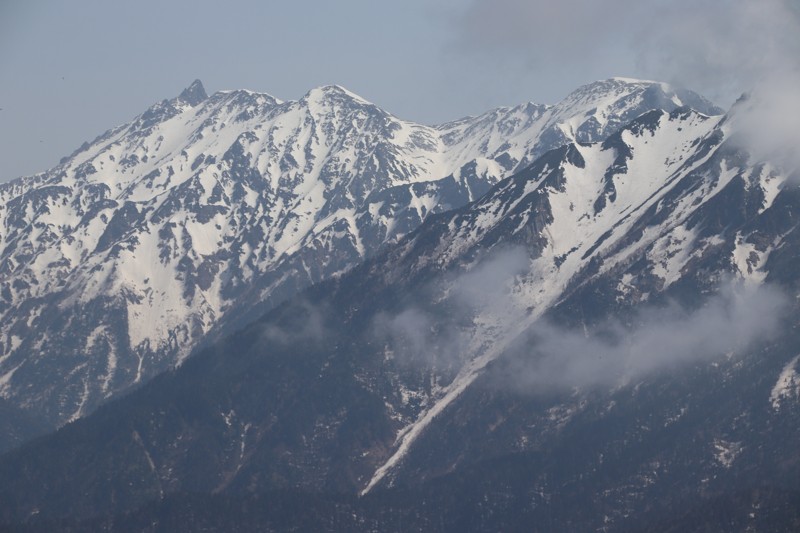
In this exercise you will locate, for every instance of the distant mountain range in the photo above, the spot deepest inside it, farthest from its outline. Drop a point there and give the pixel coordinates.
(204, 211)
(580, 317)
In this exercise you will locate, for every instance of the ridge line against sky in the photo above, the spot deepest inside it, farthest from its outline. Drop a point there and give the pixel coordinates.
(72, 70)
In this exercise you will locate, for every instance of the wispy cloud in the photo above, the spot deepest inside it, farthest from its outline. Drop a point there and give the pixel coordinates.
(436, 332)
(767, 122)
(719, 47)
(660, 339)
(550, 357)
(304, 323)
(722, 46)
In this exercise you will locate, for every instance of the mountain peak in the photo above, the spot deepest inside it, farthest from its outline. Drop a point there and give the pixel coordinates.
(333, 92)
(629, 81)
(637, 95)
(613, 87)
(194, 93)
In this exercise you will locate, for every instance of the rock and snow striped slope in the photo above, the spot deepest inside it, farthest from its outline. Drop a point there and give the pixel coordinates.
(661, 201)
(117, 262)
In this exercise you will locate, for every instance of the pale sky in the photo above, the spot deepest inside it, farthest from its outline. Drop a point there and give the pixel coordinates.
(69, 70)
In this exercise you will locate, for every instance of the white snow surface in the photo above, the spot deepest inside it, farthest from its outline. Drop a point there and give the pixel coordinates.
(787, 387)
(726, 452)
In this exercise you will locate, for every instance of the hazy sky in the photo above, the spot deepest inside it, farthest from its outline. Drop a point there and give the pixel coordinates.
(69, 70)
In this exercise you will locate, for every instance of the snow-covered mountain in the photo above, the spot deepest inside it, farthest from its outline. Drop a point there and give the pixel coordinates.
(421, 390)
(205, 209)
(667, 207)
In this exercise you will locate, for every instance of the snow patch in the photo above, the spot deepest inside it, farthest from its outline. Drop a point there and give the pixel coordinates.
(5, 380)
(671, 253)
(750, 261)
(787, 388)
(726, 452)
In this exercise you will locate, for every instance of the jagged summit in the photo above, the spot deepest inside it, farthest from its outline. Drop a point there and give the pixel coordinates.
(644, 93)
(194, 94)
(332, 92)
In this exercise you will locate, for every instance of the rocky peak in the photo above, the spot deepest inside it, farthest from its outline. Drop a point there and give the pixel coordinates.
(194, 94)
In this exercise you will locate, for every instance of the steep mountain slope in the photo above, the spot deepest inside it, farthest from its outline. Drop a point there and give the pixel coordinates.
(205, 210)
(414, 380)
(17, 426)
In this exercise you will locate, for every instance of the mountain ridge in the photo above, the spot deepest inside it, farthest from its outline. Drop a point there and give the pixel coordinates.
(207, 210)
(407, 379)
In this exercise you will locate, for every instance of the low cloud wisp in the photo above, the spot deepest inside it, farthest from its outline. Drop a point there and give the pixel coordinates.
(437, 331)
(550, 357)
(732, 322)
(721, 48)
